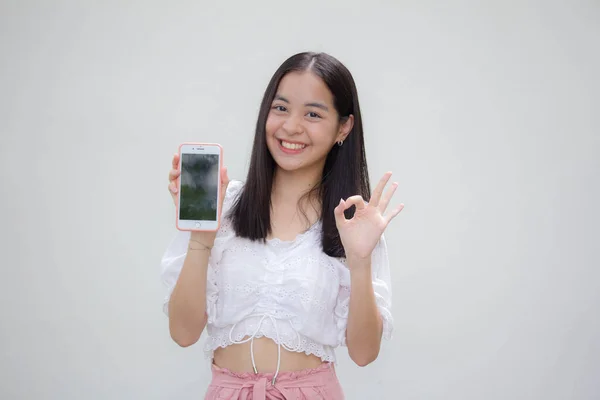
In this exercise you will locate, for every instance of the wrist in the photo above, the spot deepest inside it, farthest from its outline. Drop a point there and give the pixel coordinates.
(206, 239)
(361, 278)
(358, 260)
(359, 266)
(360, 275)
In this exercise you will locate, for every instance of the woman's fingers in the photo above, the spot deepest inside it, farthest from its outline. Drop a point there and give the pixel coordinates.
(357, 201)
(376, 197)
(394, 213)
(174, 174)
(385, 200)
(338, 212)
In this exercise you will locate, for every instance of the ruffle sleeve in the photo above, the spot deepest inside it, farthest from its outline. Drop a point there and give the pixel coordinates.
(176, 252)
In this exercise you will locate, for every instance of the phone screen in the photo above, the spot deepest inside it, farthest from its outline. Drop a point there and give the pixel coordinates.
(199, 187)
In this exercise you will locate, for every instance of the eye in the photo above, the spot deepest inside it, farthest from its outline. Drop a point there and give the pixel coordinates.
(313, 114)
(280, 108)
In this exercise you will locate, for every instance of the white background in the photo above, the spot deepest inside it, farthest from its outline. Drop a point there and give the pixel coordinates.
(486, 112)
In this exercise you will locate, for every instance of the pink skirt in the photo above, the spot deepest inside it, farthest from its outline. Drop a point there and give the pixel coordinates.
(318, 383)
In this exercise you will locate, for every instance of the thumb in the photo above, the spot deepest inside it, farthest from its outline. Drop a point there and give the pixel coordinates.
(224, 183)
(224, 178)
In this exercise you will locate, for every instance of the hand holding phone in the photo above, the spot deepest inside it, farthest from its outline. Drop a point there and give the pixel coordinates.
(197, 183)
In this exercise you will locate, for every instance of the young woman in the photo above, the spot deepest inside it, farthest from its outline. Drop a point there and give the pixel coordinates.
(299, 265)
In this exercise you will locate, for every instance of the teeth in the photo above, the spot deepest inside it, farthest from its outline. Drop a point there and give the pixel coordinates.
(292, 146)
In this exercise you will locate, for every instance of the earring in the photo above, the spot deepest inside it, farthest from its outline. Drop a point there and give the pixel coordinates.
(340, 143)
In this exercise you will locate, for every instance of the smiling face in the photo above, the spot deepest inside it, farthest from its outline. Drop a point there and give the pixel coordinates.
(303, 124)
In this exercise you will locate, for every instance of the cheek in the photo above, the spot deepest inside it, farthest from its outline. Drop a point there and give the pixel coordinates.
(271, 126)
(325, 135)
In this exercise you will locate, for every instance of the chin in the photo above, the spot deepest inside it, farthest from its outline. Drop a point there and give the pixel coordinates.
(288, 166)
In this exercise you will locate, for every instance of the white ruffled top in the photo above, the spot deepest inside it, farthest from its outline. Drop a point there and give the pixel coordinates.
(289, 291)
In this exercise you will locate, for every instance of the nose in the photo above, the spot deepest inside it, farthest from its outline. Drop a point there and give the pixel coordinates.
(292, 125)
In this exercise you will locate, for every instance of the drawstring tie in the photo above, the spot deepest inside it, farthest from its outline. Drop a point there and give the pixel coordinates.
(251, 340)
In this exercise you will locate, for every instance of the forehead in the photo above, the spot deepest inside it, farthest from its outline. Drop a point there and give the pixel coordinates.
(304, 87)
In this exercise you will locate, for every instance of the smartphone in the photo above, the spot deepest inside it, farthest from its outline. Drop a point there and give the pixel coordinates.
(199, 187)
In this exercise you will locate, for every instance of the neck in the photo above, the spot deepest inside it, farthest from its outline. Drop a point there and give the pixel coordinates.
(290, 186)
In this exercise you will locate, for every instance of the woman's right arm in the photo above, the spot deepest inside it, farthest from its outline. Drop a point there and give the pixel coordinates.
(186, 306)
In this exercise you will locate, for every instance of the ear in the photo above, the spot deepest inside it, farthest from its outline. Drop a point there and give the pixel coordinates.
(345, 128)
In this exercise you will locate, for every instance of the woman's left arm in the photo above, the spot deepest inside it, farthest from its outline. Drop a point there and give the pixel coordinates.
(360, 236)
(365, 324)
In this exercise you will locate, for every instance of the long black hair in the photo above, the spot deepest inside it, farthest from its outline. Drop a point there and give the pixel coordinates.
(345, 172)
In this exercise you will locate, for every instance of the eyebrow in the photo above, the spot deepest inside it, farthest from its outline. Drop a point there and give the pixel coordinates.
(316, 105)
